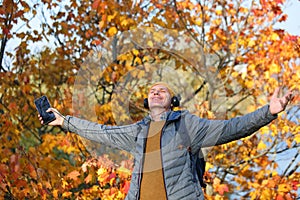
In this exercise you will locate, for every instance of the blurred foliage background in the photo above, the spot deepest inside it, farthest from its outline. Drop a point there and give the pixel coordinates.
(225, 58)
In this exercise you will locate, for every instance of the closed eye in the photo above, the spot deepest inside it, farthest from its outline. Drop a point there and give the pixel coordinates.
(159, 90)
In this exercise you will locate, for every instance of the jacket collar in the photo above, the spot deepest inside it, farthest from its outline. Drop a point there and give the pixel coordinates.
(168, 116)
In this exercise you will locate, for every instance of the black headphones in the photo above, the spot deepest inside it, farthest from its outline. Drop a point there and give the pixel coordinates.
(175, 102)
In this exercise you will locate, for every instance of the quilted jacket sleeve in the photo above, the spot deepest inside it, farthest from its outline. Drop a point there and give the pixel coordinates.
(206, 133)
(121, 137)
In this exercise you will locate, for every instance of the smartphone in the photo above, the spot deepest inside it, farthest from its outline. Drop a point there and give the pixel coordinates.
(42, 104)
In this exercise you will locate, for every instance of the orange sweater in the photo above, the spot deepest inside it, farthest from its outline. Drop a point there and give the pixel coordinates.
(152, 185)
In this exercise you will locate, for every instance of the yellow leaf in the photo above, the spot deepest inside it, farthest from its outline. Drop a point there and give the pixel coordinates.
(261, 145)
(217, 181)
(67, 194)
(235, 74)
(72, 149)
(249, 84)
(274, 173)
(264, 130)
(220, 156)
(150, 43)
(254, 185)
(198, 22)
(112, 31)
(158, 36)
(274, 36)
(244, 74)
(210, 115)
(123, 57)
(120, 195)
(55, 193)
(275, 69)
(64, 183)
(267, 74)
(266, 194)
(138, 61)
(285, 129)
(273, 128)
(217, 22)
(101, 171)
(111, 182)
(145, 59)
(95, 188)
(4, 160)
(123, 170)
(135, 52)
(124, 22)
(110, 17)
(283, 188)
(208, 166)
(297, 138)
(251, 67)
(251, 43)
(218, 12)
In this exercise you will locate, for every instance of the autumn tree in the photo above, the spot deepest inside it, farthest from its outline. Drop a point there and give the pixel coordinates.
(246, 58)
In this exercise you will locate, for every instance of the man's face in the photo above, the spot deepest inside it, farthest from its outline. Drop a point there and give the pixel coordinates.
(159, 96)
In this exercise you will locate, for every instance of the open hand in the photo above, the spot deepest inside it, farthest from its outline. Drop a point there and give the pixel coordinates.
(278, 104)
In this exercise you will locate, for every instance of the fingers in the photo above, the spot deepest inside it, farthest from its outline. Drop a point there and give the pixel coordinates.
(56, 113)
(50, 110)
(276, 92)
(41, 119)
(287, 98)
(283, 104)
(289, 95)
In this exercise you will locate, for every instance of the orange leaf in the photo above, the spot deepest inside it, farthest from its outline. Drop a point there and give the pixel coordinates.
(88, 178)
(279, 197)
(113, 191)
(32, 171)
(222, 189)
(96, 42)
(95, 4)
(125, 187)
(73, 175)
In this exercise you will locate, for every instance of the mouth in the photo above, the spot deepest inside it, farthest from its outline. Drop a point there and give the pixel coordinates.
(156, 99)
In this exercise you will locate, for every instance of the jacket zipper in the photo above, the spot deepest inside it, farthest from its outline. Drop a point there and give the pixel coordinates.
(161, 157)
(142, 164)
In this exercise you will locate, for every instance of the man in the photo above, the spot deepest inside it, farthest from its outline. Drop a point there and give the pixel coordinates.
(164, 164)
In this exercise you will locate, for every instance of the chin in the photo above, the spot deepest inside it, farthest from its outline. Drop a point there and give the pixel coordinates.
(156, 106)
(159, 106)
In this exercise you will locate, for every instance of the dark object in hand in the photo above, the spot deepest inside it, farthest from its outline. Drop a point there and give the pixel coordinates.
(42, 104)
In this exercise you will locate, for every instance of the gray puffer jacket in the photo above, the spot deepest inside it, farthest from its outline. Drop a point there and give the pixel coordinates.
(181, 181)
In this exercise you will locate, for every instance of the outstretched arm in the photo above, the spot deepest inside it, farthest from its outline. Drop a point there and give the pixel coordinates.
(121, 137)
(216, 132)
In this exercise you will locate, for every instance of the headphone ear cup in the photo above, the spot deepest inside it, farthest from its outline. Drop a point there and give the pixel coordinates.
(175, 102)
(146, 103)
